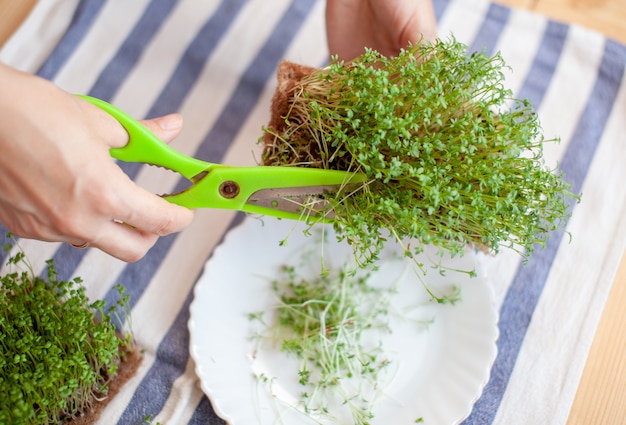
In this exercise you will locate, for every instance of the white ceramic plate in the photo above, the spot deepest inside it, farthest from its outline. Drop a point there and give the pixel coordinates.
(437, 372)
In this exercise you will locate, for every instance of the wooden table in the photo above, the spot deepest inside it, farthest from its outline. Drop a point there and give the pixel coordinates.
(599, 397)
(606, 16)
(11, 16)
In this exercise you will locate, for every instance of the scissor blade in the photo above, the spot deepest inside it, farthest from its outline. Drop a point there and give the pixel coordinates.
(308, 200)
(305, 204)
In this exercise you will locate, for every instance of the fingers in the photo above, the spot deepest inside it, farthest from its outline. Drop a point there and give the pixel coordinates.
(131, 218)
(166, 127)
(153, 214)
(143, 209)
(122, 241)
(140, 218)
(130, 242)
(422, 25)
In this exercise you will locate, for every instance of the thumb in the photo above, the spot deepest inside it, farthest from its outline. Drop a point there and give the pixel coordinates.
(166, 127)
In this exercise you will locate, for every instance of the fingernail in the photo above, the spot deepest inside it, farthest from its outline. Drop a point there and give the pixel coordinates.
(170, 122)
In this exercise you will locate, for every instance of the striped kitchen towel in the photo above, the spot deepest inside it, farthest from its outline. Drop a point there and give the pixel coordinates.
(215, 61)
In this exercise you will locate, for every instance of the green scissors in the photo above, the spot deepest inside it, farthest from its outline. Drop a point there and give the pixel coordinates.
(284, 192)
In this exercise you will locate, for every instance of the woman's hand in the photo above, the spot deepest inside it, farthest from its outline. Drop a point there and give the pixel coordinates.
(58, 181)
(383, 25)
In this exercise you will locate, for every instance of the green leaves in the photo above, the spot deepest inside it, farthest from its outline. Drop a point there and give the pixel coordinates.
(452, 158)
(57, 355)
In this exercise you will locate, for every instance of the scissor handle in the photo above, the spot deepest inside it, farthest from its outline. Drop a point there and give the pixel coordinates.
(216, 185)
(232, 187)
(144, 147)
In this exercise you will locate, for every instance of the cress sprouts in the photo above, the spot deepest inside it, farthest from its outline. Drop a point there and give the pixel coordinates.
(323, 322)
(452, 159)
(58, 352)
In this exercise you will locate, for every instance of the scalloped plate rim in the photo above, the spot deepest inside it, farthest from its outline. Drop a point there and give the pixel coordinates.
(214, 380)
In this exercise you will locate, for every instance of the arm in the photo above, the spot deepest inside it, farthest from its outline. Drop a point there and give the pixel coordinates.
(383, 25)
(58, 181)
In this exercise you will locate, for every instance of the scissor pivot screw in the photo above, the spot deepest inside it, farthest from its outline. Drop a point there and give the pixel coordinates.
(229, 189)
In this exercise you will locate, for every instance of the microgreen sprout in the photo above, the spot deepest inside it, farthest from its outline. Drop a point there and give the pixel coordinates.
(451, 158)
(58, 352)
(325, 322)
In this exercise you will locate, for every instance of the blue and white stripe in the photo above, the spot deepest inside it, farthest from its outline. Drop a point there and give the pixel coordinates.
(214, 62)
